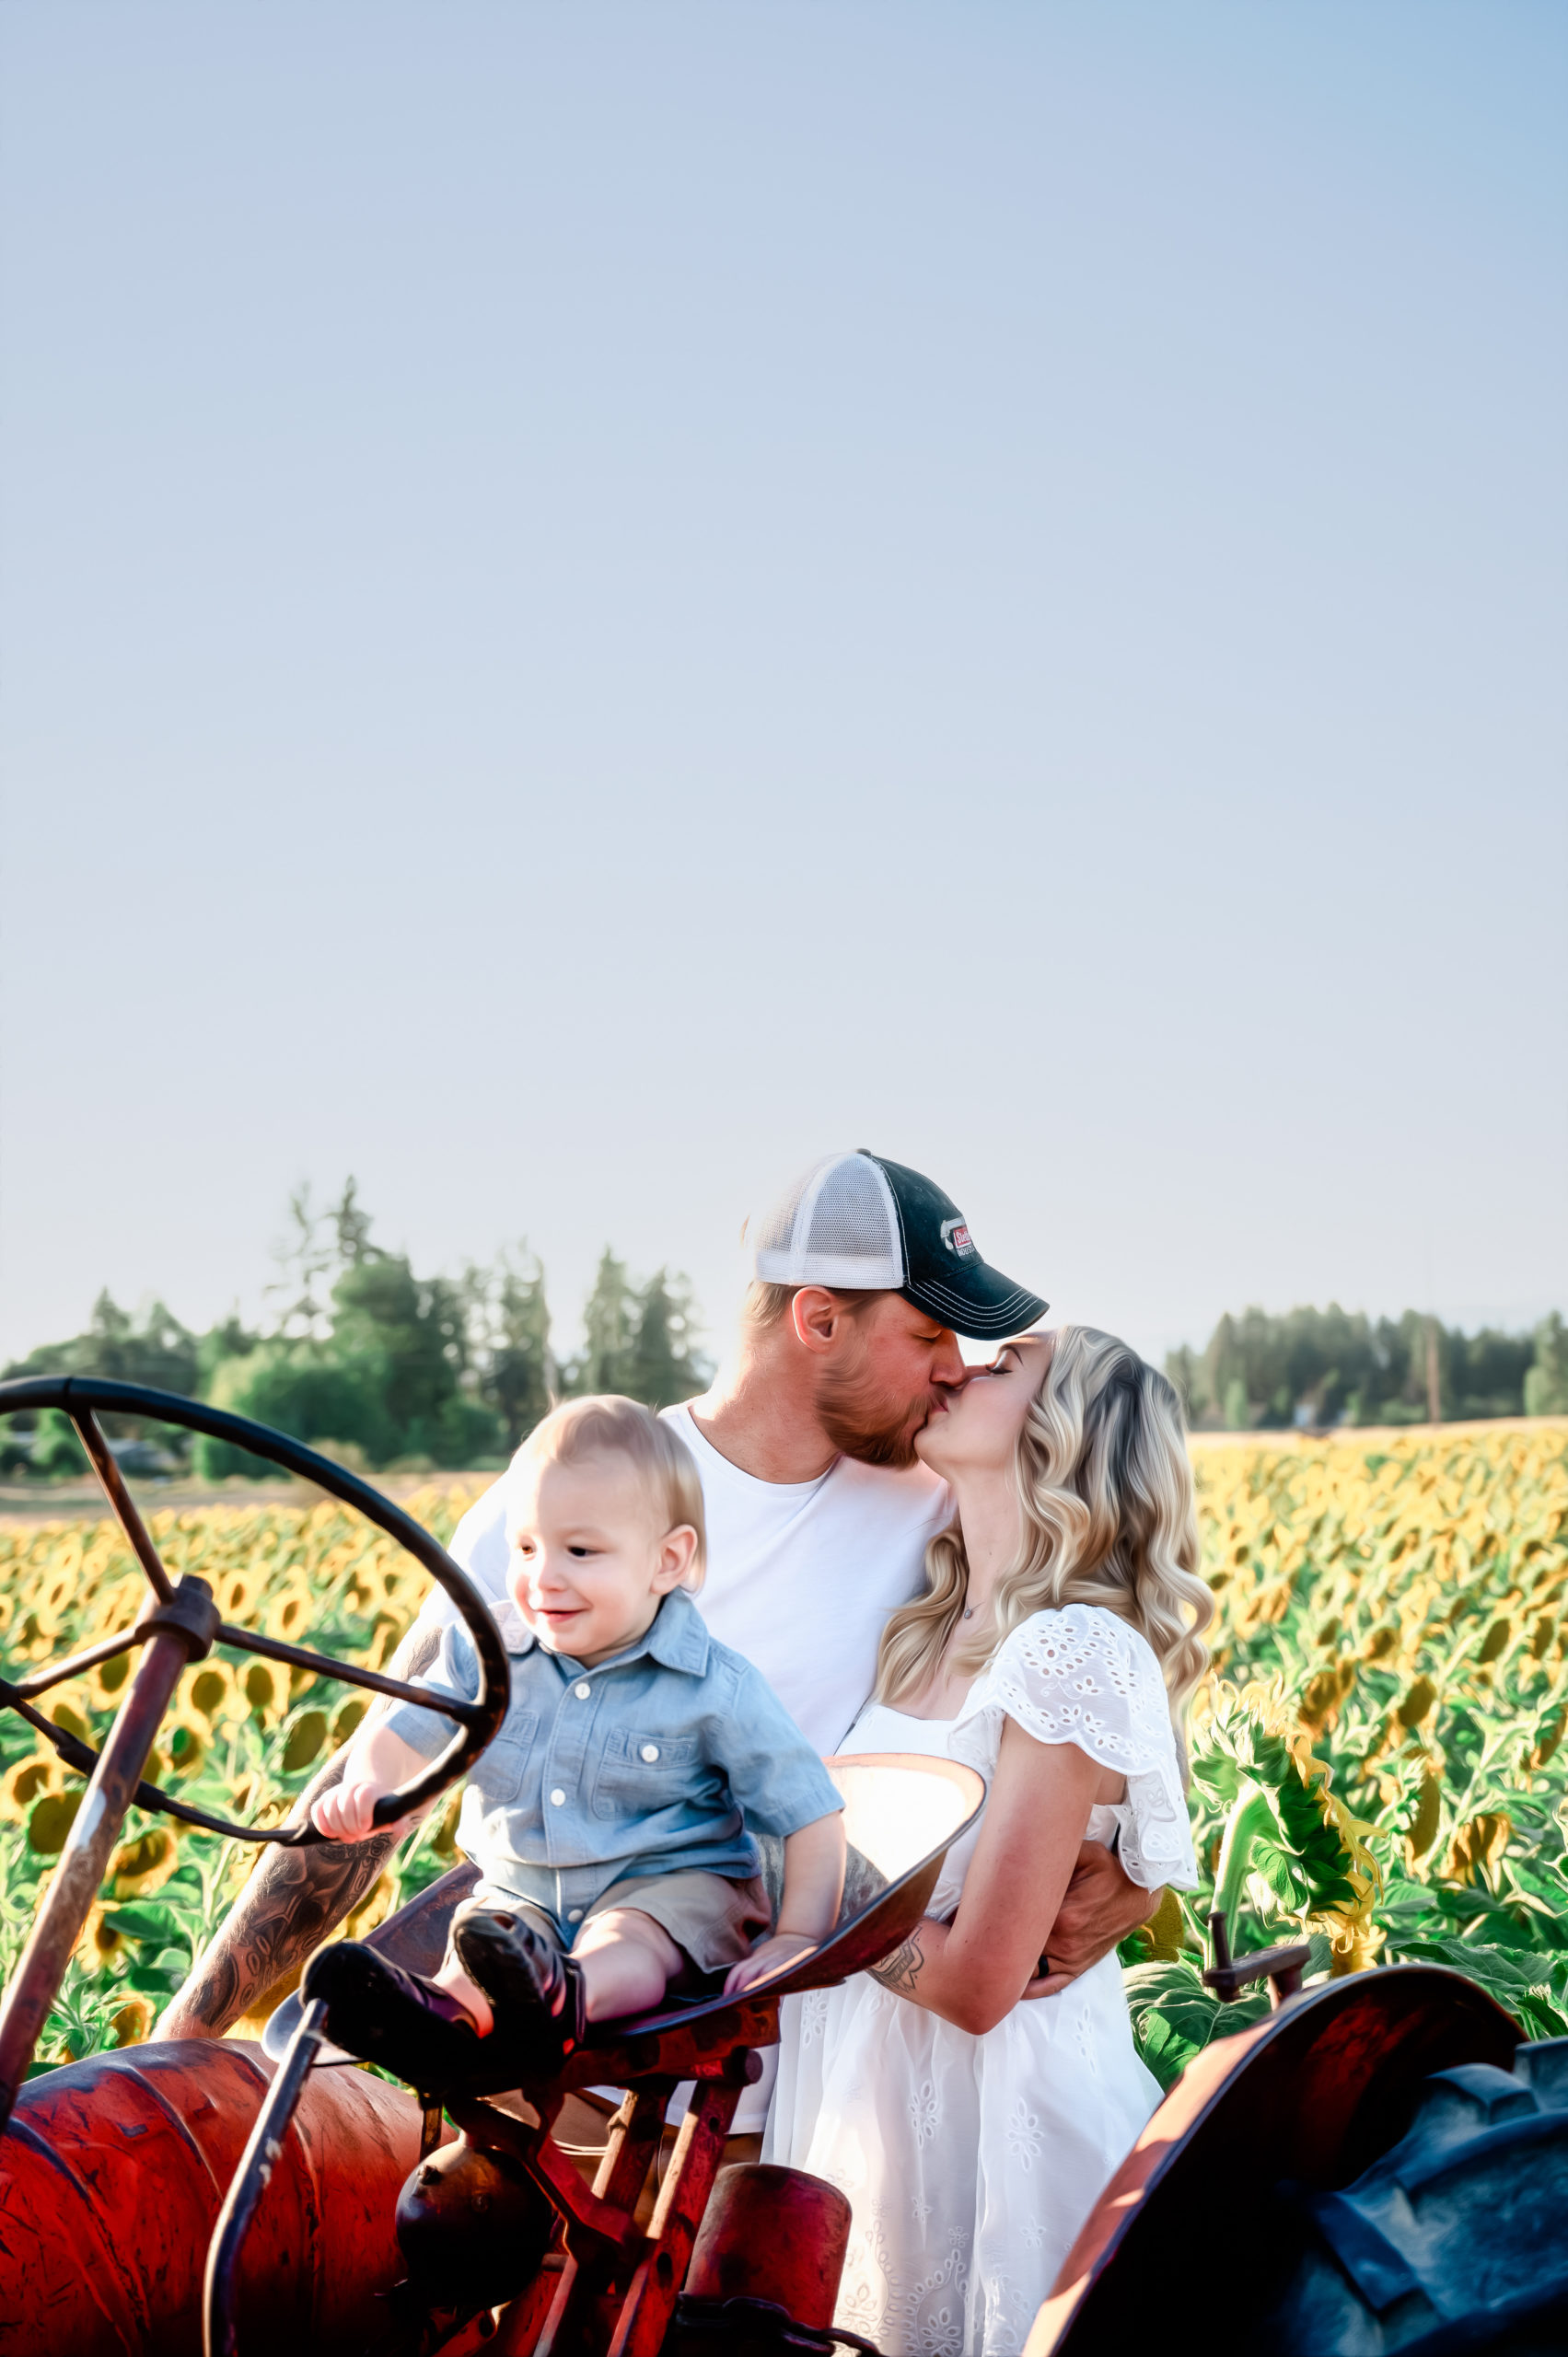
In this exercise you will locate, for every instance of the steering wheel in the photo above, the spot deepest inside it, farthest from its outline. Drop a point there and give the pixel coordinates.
(187, 1606)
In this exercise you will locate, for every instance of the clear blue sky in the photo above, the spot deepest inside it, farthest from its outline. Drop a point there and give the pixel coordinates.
(596, 599)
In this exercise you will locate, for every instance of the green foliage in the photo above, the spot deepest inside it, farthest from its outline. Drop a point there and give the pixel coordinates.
(1328, 1367)
(157, 1350)
(508, 1331)
(154, 1350)
(1397, 1620)
(1546, 1384)
(363, 1358)
(638, 1340)
(303, 1389)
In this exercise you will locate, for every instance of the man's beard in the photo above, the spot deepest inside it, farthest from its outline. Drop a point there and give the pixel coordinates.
(865, 1424)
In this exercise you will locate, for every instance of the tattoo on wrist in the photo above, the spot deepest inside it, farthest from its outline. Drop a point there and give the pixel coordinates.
(900, 1971)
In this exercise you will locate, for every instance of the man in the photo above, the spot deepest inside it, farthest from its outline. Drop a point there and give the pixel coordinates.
(818, 1512)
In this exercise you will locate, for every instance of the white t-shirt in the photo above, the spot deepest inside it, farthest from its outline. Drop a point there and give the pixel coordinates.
(801, 1578)
(802, 1575)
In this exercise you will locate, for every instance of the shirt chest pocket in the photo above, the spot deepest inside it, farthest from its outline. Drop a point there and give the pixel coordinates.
(499, 1775)
(641, 1773)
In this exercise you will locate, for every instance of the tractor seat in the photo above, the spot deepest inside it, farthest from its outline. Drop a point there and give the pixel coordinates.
(903, 1812)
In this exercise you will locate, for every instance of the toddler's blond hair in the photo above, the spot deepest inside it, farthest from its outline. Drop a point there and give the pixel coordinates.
(610, 1425)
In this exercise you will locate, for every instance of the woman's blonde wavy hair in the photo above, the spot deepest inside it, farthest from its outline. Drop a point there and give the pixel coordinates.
(1107, 1517)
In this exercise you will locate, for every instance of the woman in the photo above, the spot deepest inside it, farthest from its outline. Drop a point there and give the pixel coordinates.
(1054, 1649)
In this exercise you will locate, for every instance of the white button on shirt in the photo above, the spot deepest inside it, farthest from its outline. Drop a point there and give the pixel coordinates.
(650, 1751)
(582, 1690)
(558, 1798)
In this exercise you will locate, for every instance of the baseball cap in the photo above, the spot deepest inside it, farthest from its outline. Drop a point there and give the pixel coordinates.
(857, 1222)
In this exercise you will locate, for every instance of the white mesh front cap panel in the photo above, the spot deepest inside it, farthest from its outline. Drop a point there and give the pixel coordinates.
(838, 1224)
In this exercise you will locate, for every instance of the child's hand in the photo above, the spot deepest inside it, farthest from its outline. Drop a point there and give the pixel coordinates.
(345, 1813)
(764, 1963)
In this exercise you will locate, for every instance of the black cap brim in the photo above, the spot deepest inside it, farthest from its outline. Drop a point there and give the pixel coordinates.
(987, 1307)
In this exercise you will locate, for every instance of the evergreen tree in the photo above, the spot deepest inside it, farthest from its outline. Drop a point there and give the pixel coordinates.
(637, 1340)
(609, 1332)
(507, 1319)
(665, 1367)
(1546, 1384)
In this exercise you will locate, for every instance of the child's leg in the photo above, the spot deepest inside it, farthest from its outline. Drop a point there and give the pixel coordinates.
(628, 1962)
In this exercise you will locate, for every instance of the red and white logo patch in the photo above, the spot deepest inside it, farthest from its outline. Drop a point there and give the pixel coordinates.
(957, 1239)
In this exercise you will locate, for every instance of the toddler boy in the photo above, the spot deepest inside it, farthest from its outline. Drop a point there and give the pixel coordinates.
(609, 1816)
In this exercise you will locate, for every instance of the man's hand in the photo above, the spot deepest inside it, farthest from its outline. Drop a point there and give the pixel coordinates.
(769, 1957)
(1101, 1906)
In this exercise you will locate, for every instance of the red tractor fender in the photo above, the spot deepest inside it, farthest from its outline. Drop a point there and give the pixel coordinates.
(112, 2173)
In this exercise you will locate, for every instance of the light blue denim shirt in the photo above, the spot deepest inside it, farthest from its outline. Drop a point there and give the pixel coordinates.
(650, 1763)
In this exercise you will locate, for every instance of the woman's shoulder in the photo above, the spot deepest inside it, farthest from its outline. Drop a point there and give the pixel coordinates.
(1077, 1673)
(1071, 1639)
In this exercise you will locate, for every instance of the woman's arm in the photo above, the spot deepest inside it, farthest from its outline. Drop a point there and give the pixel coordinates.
(975, 1970)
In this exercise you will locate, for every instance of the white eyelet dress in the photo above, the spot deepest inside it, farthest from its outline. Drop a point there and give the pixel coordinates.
(971, 2163)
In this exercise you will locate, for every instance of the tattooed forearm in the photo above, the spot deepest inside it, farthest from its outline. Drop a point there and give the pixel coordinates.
(291, 1902)
(900, 1971)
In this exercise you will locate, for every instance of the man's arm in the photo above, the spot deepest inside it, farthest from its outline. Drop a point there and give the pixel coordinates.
(293, 1898)
(1102, 1905)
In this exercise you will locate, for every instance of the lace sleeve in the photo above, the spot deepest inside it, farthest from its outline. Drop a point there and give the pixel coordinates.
(1082, 1675)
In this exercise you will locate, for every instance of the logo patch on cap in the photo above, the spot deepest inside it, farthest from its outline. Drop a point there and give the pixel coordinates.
(957, 1237)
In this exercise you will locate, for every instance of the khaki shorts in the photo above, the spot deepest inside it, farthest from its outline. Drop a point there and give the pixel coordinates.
(713, 1921)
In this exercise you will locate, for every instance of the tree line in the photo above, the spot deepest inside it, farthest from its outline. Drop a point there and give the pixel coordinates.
(363, 1358)
(1320, 1367)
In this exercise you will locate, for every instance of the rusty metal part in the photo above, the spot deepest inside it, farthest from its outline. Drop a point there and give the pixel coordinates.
(73, 1886)
(473, 2227)
(264, 2150)
(741, 2328)
(122, 1505)
(1315, 2093)
(1281, 1967)
(774, 2235)
(111, 2172)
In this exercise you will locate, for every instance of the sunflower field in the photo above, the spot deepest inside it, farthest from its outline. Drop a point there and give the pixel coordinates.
(1377, 1759)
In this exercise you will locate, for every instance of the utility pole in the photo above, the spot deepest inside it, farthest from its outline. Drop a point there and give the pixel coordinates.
(1434, 1384)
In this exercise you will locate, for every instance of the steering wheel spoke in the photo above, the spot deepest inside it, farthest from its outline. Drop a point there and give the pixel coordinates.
(122, 1505)
(348, 1673)
(59, 1671)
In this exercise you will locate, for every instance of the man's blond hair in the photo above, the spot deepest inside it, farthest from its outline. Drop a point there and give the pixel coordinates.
(610, 1425)
(767, 1305)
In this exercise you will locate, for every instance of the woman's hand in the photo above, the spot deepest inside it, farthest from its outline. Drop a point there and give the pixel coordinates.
(769, 1959)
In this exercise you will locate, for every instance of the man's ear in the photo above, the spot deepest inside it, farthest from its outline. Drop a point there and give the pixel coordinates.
(817, 1316)
(678, 1552)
